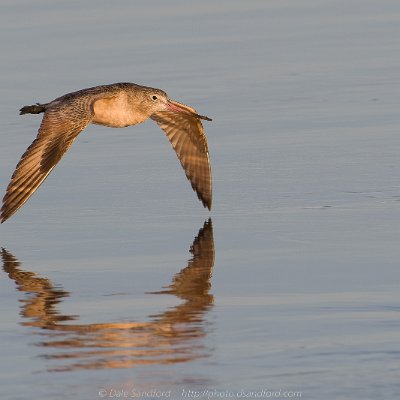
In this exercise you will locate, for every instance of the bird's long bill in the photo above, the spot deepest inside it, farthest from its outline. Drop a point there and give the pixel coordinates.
(178, 107)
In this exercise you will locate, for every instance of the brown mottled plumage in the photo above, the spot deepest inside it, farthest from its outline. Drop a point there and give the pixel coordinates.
(117, 105)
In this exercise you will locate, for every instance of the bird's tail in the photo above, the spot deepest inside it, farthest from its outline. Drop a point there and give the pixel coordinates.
(34, 109)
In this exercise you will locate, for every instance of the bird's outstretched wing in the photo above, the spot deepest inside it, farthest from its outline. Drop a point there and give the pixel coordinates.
(60, 126)
(185, 133)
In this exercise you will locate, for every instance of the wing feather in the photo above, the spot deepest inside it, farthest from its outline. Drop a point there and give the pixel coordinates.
(58, 130)
(186, 135)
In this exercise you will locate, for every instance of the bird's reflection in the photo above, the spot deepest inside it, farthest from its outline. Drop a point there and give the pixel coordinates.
(171, 336)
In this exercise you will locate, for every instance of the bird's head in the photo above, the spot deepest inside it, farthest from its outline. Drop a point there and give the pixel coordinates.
(157, 100)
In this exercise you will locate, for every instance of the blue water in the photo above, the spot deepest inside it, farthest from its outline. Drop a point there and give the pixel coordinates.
(116, 282)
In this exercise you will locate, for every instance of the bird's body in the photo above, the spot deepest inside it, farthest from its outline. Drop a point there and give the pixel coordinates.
(117, 105)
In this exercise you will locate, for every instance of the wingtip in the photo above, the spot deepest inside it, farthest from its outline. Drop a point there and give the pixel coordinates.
(207, 204)
(5, 214)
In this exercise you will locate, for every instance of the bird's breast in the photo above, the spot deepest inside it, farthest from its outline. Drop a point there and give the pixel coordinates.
(116, 112)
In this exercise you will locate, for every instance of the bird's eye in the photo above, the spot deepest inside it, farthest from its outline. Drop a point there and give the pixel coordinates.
(154, 97)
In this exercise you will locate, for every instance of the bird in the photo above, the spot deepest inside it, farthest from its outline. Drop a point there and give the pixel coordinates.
(116, 105)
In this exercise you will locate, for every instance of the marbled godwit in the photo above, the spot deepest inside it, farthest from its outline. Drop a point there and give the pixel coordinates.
(117, 105)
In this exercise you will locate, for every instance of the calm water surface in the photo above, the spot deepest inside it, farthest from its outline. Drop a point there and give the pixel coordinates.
(115, 281)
